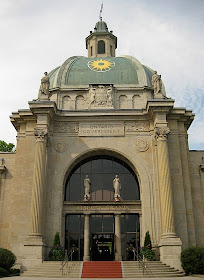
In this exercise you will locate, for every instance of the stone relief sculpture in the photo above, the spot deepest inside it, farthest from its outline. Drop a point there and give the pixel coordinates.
(100, 96)
(117, 188)
(44, 87)
(157, 85)
(87, 187)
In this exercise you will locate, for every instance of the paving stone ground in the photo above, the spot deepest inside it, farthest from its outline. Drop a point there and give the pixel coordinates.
(172, 278)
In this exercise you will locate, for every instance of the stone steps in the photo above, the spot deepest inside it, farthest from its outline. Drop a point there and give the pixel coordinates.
(131, 269)
(154, 269)
(53, 270)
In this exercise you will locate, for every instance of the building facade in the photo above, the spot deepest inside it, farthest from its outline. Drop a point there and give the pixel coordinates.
(102, 157)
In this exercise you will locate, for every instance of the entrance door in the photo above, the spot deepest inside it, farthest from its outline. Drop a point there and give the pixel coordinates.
(102, 238)
(102, 247)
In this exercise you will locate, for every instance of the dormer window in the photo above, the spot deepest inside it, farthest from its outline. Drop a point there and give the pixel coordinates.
(101, 47)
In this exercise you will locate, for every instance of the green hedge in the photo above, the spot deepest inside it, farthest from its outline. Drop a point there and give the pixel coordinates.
(7, 259)
(3, 272)
(192, 260)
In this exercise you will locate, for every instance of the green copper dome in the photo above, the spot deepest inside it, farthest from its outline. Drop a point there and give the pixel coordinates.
(81, 71)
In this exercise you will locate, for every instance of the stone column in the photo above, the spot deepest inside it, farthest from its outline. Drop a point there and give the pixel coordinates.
(170, 245)
(38, 183)
(86, 237)
(118, 256)
(34, 244)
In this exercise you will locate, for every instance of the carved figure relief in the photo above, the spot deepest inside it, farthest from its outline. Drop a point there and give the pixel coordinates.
(60, 146)
(101, 96)
(66, 127)
(142, 145)
(117, 188)
(136, 126)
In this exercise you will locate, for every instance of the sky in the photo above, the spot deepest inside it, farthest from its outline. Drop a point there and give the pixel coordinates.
(37, 36)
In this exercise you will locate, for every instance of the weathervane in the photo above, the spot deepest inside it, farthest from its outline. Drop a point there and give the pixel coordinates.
(100, 17)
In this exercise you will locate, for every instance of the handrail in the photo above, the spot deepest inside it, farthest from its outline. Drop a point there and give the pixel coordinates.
(67, 257)
(142, 262)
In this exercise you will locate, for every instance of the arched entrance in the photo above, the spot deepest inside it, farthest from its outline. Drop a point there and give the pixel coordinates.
(102, 229)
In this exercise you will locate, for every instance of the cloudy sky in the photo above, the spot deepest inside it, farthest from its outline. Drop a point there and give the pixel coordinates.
(38, 35)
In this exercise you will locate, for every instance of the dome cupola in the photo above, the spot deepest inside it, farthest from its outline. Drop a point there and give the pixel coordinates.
(101, 42)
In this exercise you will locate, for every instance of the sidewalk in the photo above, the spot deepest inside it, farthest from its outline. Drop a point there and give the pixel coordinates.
(170, 278)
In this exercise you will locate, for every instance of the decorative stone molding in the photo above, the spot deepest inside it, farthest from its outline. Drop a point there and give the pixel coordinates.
(66, 127)
(61, 146)
(142, 145)
(161, 133)
(136, 126)
(100, 97)
(2, 167)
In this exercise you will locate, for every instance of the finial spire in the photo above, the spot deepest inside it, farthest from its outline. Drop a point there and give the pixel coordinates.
(100, 14)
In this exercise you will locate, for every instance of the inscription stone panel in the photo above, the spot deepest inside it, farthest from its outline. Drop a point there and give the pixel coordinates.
(101, 129)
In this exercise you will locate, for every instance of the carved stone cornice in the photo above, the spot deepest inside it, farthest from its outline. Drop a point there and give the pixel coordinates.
(161, 133)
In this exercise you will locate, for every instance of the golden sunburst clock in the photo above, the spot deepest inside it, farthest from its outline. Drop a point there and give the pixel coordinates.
(101, 65)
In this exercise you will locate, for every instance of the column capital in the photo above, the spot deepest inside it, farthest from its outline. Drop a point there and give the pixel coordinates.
(41, 134)
(161, 133)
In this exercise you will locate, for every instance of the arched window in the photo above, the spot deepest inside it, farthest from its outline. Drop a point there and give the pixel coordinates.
(102, 170)
(66, 103)
(123, 102)
(136, 102)
(101, 47)
(79, 102)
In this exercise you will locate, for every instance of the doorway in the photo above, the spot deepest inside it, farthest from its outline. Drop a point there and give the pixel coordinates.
(102, 246)
(102, 237)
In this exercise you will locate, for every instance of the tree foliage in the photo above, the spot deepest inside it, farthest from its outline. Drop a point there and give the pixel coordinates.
(4, 147)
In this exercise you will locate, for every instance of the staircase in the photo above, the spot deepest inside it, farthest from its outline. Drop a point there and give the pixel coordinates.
(50, 269)
(102, 269)
(153, 269)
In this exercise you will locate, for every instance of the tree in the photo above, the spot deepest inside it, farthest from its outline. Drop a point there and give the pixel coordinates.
(4, 147)
(147, 242)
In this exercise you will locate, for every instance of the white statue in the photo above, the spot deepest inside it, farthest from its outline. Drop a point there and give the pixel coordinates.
(87, 186)
(117, 188)
(44, 87)
(156, 82)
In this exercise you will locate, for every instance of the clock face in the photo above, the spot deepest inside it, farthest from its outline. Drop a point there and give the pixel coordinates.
(101, 65)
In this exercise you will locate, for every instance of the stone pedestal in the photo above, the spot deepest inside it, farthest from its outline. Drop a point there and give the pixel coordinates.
(170, 251)
(86, 237)
(118, 256)
(33, 252)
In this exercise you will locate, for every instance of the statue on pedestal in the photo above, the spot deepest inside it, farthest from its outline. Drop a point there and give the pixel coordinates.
(44, 87)
(87, 187)
(157, 84)
(117, 188)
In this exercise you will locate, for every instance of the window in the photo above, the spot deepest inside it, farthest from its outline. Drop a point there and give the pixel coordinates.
(101, 47)
(102, 170)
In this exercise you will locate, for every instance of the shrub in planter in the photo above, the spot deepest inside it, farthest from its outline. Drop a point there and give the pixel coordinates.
(56, 253)
(147, 251)
(192, 260)
(3, 272)
(14, 271)
(7, 259)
